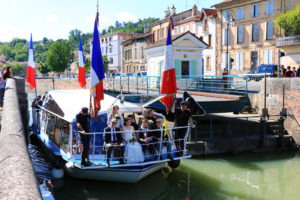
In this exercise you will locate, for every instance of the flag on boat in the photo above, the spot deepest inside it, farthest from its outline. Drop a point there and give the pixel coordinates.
(31, 67)
(171, 23)
(81, 72)
(168, 84)
(97, 73)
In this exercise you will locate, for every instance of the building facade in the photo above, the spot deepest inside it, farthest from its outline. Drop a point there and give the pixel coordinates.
(207, 32)
(247, 34)
(134, 58)
(111, 47)
(187, 56)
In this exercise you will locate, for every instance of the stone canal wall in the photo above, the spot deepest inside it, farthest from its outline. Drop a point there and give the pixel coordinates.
(17, 178)
(275, 100)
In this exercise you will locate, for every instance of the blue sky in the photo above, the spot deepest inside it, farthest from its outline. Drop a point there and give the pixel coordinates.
(55, 18)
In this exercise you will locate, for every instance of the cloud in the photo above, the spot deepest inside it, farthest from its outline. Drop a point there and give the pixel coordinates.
(125, 16)
(52, 18)
(8, 32)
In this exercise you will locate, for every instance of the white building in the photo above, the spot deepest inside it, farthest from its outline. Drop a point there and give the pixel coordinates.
(187, 55)
(207, 32)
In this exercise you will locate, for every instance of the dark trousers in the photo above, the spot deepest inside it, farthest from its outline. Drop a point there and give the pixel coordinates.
(179, 138)
(148, 146)
(118, 151)
(85, 140)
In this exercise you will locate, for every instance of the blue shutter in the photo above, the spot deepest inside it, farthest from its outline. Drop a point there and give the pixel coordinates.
(253, 11)
(267, 8)
(257, 10)
(242, 14)
(271, 11)
(178, 68)
(194, 68)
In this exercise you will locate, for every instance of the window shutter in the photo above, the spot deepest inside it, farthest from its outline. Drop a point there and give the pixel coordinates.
(267, 7)
(266, 57)
(271, 7)
(194, 68)
(257, 10)
(223, 64)
(253, 11)
(237, 61)
(242, 14)
(241, 61)
(270, 59)
(178, 68)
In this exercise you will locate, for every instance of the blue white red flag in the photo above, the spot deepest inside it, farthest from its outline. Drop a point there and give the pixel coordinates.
(81, 72)
(171, 23)
(97, 73)
(31, 67)
(168, 84)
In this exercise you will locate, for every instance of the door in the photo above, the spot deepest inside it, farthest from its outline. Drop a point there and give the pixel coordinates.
(185, 68)
(254, 57)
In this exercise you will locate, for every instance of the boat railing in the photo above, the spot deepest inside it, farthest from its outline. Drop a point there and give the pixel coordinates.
(98, 146)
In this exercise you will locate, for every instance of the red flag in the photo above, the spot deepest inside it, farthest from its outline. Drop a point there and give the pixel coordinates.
(31, 67)
(168, 85)
(81, 72)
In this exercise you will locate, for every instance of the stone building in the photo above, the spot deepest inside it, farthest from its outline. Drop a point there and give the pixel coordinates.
(247, 28)
(207, 32)
(133, 56)
(111, 47)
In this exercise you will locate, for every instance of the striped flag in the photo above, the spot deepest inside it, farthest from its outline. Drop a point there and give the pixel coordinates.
(97, 73)
(81, 72)
(171, 23)
(168, 85)
(31, 67)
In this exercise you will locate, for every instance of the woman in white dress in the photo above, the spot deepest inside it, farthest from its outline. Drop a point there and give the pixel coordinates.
(133, 150)
(115, 114)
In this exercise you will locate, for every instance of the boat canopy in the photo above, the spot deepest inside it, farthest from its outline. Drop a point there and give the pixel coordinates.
(70, 102)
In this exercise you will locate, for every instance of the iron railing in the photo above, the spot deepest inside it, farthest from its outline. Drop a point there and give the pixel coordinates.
(288, 41)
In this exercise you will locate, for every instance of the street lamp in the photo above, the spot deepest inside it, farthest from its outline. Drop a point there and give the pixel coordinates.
(229, 22)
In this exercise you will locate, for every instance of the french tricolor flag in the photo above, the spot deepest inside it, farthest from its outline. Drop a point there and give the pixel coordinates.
(31, 67)
(81, 72)
(168, 85)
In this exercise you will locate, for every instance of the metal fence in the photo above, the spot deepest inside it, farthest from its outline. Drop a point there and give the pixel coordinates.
(151, 84)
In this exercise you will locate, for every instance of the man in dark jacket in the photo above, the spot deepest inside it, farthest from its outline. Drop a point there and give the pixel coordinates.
(82, 121)
(113, 142)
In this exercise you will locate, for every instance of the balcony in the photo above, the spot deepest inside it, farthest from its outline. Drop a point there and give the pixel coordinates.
(288, 41)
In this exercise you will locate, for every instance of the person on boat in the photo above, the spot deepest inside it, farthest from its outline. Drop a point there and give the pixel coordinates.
(133, 149)
(37, 103)
(182, 118)
(151, 118)
(159, 135)
(145, 138)
(113, 142)
(64, 136)
(7, 73)
(82, 120)
(135, 125)
(115, 114)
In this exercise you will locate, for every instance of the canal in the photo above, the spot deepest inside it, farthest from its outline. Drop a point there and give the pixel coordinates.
(247, 176)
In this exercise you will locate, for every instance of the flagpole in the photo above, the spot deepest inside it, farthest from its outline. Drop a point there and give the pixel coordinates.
(35, 84)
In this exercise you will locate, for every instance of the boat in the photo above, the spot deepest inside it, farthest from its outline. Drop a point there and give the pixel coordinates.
(60, 108)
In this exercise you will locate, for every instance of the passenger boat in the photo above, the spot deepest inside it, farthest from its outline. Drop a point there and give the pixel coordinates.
(61, 107)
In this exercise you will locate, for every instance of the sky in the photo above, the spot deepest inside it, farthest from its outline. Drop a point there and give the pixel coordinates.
(54, 19)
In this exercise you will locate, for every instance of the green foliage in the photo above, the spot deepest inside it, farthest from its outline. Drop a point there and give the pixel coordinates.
(17, 69)
(289, 22)
(59, 56)
(74, 37)
(43, 69)
(87, 65)
(130, 27)
(105, 63)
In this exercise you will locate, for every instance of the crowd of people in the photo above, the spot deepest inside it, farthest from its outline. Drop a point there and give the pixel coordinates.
(130, 142)
(289, 71)
(4, 74)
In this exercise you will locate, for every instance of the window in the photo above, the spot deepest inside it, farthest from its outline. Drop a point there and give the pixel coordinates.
(181, 29)
(162, 32)
(240, 34)
(268, 56)
(269, 8)
(157, 35)
(226, 16)
(205, 26)
(255, 32)
(239, 61)
(209, 40)
(208, 67)
(142, 52)
(154, 35)
(110, 38)
(188, 27)
(255, 10)
(194, 28)
(270, 30)
(102, 40)
(225, 36)
(240, 14)
(110, 48)
(135, 53)
(111, 60)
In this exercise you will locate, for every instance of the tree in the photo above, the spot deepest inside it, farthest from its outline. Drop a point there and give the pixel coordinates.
(289, 22)
(59, 56)
(105, 63)
(17, 69)
(74, 37)
(43, 69)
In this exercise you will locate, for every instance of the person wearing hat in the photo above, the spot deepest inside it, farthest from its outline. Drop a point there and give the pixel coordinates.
(82, 122)
(182, 118)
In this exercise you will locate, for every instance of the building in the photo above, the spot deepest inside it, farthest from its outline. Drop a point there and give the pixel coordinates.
(111, 47)
(183, 22)
(246, 31)
(207, 32)
(133, 56)
(187, 55)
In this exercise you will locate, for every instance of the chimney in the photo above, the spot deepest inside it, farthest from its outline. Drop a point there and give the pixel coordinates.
(194, 10)
(173, 10)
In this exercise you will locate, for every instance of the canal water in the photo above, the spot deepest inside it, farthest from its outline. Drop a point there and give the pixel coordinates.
(248, 176)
